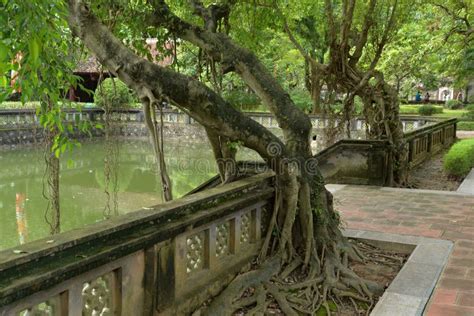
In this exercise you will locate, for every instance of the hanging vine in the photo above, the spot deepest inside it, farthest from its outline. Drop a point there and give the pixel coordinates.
(150, 106)
(50, 192)
(111, 157)
(52, 213)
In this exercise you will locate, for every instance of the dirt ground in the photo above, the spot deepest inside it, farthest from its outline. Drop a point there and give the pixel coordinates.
(431, 176)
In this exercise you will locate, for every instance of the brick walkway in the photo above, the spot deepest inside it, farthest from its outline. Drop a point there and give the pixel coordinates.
(421, 213)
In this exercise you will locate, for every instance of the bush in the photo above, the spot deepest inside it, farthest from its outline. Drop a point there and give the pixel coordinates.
(470, 113)
(465, 126)
(242, 100)
(429, 110)
(454, 104)
(115, 93)
(460, 158)
(409, 109)
(302, 99)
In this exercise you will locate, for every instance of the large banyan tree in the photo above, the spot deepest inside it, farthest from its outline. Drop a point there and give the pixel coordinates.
(304, 228)
(342, 43)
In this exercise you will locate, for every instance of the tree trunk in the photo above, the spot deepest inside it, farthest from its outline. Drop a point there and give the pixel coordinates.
(224, 156)
(382, 114)
(51, 187)
(306, 224)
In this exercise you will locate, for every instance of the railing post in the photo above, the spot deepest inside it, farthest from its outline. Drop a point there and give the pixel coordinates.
(430, 142)
(411, 149)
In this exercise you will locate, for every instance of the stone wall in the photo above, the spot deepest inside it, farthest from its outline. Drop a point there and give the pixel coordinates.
(34, 135)
(165, 260)
(21, 127)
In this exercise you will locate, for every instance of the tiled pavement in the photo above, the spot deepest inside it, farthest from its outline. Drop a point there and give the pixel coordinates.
(435, 214)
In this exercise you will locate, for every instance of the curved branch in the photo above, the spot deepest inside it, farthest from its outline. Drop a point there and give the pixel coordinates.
(368, 23)
(294, 123)
(203, 104)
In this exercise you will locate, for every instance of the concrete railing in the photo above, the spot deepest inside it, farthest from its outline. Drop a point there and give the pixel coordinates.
(429, 140)
(167, 259)
(27, 117)
(365, 161)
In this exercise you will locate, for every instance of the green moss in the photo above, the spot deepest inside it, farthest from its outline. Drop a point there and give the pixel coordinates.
(460, 158)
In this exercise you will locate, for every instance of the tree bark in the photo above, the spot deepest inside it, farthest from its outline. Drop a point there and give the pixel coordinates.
(304, 217)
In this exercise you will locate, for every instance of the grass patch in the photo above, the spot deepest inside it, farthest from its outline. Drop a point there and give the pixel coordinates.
(411, 109)
(460, 158)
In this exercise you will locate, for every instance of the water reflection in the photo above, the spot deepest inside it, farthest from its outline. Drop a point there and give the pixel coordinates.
(20, 212)
(82, 184)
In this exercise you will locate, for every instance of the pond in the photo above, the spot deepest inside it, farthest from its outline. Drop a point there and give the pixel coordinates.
(82, 184)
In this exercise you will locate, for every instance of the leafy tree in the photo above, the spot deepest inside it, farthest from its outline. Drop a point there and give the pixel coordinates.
(356, 35)
(33, 43)
(304, 216)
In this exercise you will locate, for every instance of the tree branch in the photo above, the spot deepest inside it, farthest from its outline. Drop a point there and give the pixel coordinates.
(193, 97)
(331, 22)
(348, 14)
(295, 124)
(385, 36)
(368, 23)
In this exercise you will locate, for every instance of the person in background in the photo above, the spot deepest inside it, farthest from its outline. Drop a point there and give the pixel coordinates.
(418, 96)
(427, 97)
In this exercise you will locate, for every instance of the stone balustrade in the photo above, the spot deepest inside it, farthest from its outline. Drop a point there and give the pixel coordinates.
(27, 117)
(429, 140)
(167, 259)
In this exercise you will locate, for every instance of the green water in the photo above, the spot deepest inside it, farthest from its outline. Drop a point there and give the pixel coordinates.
(82, 196)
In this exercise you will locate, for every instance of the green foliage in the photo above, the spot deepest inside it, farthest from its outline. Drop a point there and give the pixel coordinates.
(469, 115)
(428, 110)
(113, 93)
(465, 126)
(454, 104)
(242, 100)
(460, 158)
(302, 99)
(409, 109)
(35, 42)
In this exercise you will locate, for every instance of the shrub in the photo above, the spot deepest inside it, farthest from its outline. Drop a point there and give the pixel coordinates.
(429, 110)
(469, 115)
(454, 104)
(409, 109)
(302, 99)
(465, 126)
(460, 158)
(242, 100)
(115, 93)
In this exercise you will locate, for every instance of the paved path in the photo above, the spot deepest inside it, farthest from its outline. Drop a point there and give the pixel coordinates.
(467, 186)
(437, 214)
(465, 134)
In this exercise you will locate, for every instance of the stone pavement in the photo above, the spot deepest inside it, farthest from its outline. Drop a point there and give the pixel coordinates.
(465, 134)
(437, 214)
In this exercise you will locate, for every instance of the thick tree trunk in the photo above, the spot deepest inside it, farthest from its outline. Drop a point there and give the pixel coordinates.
(307, 225)
(382, 114)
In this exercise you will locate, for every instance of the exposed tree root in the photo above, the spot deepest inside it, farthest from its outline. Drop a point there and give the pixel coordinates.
(301, 290)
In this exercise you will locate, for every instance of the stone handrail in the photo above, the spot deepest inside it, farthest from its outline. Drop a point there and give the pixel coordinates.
(26, 117)
(426, 141)
(156, 259)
